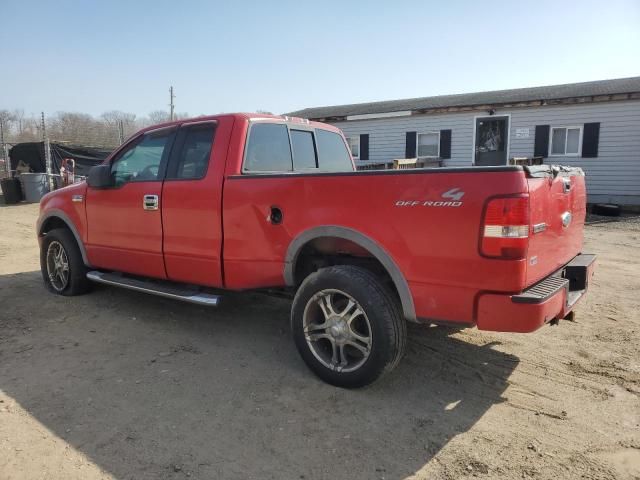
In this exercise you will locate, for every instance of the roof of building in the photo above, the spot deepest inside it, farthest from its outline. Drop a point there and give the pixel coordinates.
(498, 97)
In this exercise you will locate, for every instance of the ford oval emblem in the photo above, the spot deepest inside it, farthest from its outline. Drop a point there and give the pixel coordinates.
(566, 219)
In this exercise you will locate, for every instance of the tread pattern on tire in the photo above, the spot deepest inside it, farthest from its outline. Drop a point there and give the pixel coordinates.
(382, 299)
(78, 282)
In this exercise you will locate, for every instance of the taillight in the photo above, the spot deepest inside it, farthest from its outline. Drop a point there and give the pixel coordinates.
(505, 228)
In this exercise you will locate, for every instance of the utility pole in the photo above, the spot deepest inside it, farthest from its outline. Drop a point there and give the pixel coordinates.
(3, 149)
(42, 126)
(121, 131)
(47, 154)
(171, 105)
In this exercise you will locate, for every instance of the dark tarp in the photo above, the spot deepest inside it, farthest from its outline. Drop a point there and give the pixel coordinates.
(32, 153)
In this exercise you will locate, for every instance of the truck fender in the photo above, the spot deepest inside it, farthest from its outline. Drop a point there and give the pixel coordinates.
(363, 241)
(59, 214)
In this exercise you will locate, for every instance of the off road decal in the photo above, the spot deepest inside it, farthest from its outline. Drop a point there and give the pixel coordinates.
(453, 196)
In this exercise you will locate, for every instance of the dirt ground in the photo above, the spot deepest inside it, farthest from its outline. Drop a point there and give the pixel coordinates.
(117, 384)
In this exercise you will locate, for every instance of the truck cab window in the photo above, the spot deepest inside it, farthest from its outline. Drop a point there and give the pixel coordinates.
(141, 161)
(333, 155)
(268, 148)
(193, 151)
(304, 149)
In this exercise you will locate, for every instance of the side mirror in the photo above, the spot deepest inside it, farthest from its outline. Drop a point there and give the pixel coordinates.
(100, 177)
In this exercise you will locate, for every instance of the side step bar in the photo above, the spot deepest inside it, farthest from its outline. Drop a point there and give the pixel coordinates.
(161, 289)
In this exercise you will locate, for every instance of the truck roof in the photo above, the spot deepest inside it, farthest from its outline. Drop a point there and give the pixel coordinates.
(244, 116)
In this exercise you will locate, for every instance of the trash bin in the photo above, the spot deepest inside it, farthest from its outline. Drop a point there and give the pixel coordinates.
(34, 186)
(11, 190)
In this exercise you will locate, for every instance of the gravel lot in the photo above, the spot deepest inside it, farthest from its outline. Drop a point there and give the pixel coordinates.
(122, 385)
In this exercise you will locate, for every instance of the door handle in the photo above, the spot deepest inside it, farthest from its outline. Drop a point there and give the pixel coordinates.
(150, 202)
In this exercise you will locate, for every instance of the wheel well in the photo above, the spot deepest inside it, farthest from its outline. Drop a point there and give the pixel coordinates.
(324, 252)
(58, 219)
(52, 223)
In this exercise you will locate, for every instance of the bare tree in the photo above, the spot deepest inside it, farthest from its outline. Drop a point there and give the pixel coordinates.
(29, 130)
(7, 118)
(19, 119)
(78, 128)
(157, 116)
(114, 118)
(5, 130)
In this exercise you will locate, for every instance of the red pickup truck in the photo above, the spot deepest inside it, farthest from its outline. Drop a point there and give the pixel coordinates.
(245, 201)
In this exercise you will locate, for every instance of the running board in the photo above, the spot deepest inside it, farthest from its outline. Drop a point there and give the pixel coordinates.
(156, 288)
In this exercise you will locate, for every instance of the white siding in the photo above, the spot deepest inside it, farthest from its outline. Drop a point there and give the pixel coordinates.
(387, 136)
(612, 177)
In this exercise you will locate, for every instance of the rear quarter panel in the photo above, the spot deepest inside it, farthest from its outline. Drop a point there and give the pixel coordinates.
(436, 247)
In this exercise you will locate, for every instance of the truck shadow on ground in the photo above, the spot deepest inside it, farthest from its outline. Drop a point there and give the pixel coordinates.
(150, 388)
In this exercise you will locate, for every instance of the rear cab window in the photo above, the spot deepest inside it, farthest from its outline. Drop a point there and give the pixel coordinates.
(268, 149)
(304, 149)
(282, 148)
(333, 155)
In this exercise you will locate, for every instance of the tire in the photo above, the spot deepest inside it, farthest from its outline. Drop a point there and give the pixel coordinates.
(332, 339)
(76, 277)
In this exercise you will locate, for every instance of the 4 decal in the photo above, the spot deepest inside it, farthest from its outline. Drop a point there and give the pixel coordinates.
(454, 194)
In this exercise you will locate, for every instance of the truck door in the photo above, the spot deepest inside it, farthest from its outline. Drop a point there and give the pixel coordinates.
(124, 223)
(192, 197)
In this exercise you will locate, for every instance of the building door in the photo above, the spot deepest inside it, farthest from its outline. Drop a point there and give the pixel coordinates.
(491, 142)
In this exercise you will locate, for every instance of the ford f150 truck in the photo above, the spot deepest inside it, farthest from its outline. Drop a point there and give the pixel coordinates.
(244, 202)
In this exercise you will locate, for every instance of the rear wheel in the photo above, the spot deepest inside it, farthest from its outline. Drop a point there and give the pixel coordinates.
(63, 270)
(347, 326)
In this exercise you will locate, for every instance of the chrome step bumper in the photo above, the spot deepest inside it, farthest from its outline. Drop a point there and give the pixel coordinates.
(162, 289)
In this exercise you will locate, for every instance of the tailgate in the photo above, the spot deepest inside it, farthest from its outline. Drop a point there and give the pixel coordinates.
(558, 207)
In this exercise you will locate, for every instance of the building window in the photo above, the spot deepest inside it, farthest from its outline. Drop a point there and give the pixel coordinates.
(428, 145)
(565, 141)
(354, 146)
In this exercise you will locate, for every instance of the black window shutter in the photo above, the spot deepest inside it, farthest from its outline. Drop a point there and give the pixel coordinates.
(410, 149)
(590, 138)
(445, 143)
(541, 143)
(364, 146)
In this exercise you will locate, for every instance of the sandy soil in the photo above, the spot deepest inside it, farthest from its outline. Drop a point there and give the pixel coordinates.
(122, 385)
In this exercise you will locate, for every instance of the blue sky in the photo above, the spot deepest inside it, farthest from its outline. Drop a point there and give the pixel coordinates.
(280, 56)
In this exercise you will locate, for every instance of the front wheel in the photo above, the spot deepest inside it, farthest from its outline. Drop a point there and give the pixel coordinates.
(347, 326)
(63, 270)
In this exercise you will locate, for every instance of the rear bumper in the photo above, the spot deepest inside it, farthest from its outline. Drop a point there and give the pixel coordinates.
(550, 299)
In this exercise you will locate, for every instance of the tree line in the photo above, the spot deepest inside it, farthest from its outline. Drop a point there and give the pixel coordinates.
(106, 130)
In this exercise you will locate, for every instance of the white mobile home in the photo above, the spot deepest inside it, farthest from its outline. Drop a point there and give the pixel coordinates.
(593, 125)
